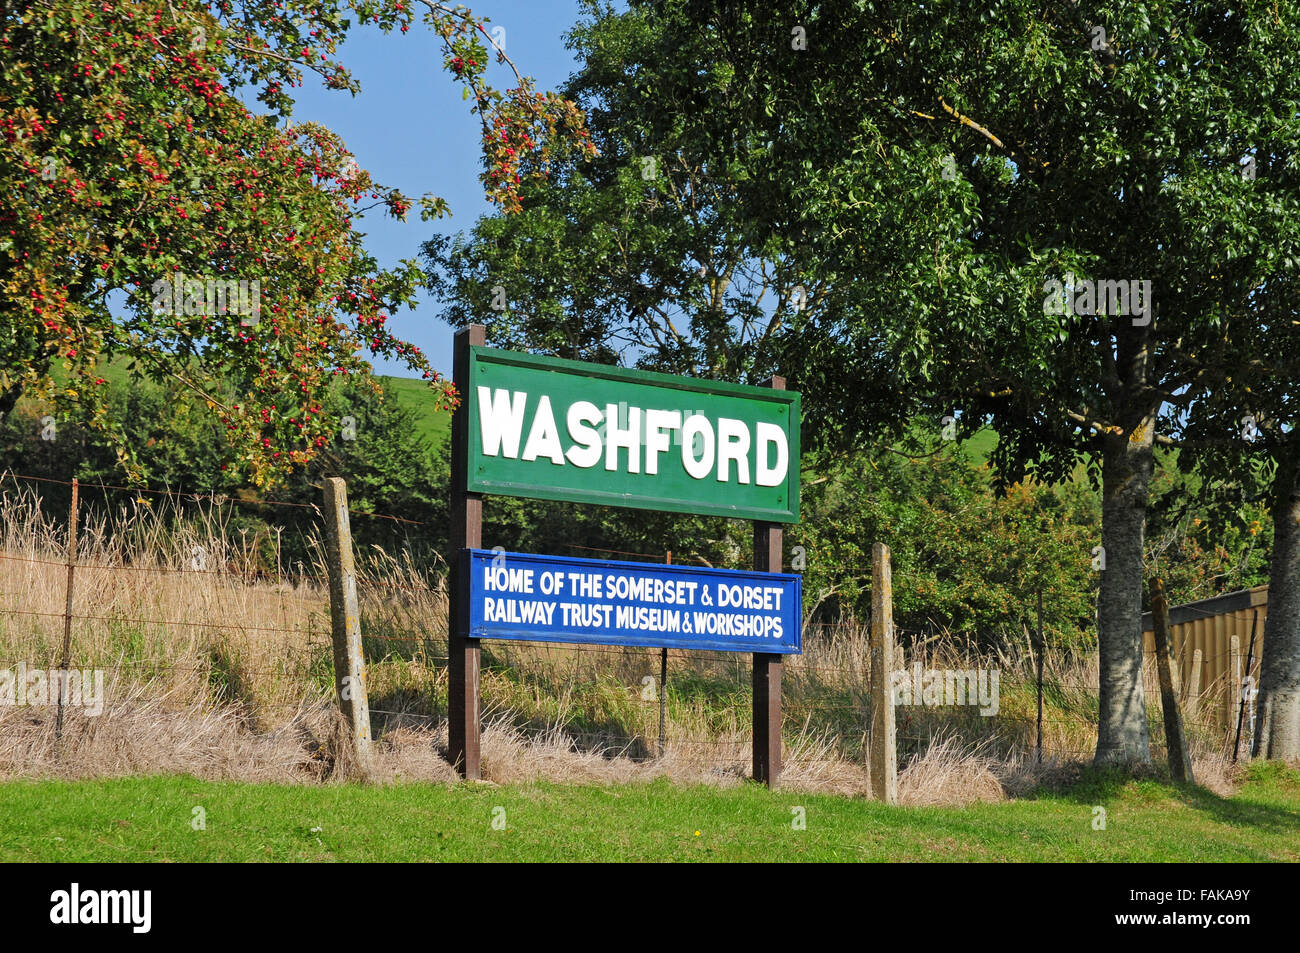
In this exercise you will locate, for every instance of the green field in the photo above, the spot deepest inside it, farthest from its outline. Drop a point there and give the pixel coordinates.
(414, 395)
(146, 819)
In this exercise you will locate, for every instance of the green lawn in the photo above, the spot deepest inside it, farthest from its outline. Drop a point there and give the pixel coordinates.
(142, 819)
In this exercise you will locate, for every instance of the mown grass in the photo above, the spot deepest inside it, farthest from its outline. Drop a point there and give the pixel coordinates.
(152, 819)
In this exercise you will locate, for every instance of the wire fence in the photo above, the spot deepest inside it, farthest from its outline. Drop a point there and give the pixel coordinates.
(167, 603)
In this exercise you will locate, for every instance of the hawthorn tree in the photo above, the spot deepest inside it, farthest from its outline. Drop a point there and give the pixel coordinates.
(149, 215)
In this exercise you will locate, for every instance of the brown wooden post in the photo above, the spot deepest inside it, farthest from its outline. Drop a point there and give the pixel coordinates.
(884, 746)
(345, 618)
(67, 614)
(466, 514)
(767, 665)
(1180, 762)
(1039, 746)
(663, 687)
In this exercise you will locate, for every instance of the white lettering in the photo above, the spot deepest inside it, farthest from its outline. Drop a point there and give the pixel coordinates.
(733, 444)
(657, 423)
(501, 420)
(697, 425)
(585, 452)
(771, 435)
(616, 437)
(544, 436)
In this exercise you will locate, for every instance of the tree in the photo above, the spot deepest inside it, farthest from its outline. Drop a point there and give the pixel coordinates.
(150, 216)
(642, 254)
(967, 559)
(1208, 534)
(1257, 410)
(1034, 218)
(1095, 282)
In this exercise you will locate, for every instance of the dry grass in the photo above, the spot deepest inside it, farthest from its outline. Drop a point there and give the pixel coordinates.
(148, 730)
(216, 671)
(950, 772)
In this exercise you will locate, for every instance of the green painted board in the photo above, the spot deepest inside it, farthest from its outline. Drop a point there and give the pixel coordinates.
(553, 429)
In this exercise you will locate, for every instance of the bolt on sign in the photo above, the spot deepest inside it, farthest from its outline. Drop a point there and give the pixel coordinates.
(588, 433)
(566, 599)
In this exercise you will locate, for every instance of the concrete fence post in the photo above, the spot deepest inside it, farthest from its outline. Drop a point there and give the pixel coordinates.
(884, 747)
(1194, 684)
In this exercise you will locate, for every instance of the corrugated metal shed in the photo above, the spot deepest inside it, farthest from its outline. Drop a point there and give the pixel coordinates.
(1211, 638)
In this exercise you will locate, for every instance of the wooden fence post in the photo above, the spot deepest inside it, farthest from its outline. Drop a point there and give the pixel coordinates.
(1039, 745)
(67, 616)
(884, 747)
(767, 671)
(1233, 688)
(1180, 762)
(466, 531)
(1194, 684)
(1245, 699)
(767, 666)
(345, 616)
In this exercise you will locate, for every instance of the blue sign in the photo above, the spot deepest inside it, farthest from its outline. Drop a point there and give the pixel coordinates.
(563, 599)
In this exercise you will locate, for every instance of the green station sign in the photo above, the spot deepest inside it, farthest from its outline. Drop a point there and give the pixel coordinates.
(588, 433)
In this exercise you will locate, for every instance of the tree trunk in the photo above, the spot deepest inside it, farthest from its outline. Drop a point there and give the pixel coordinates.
(8, 399)
(1278, 725)
(1127, 466)
(13, 391)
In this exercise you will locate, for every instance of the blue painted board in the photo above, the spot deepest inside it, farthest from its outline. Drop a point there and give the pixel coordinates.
(565, 599)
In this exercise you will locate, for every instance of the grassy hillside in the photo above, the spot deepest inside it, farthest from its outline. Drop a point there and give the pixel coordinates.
(411, 393)
(141, 819)
(414, 395)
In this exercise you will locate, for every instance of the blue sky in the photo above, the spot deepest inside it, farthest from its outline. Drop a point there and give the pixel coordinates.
(411, 130)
